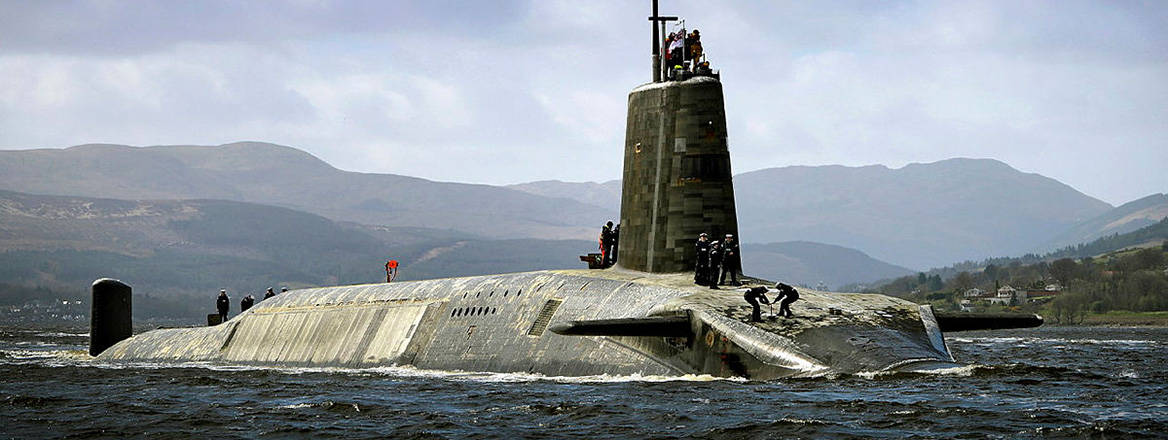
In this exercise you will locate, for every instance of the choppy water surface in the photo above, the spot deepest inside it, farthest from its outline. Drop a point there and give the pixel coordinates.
(1047, 382)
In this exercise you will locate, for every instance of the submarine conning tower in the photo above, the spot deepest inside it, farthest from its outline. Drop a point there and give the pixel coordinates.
(677, 180)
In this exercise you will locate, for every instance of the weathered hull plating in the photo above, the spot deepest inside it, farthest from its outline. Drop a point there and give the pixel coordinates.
(499, 323)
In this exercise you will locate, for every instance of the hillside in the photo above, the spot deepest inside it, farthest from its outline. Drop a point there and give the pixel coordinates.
(921, 215)
(187, 248)
(169, 247)
(808, 264)
(1124, 218)
(276, 175)
(1151, 236)
(916, 216)
(606, 195)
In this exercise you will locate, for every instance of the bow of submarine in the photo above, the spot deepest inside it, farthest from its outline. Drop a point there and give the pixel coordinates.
(832, 333)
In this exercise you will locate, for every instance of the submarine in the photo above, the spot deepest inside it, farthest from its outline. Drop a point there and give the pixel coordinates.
(643, 316)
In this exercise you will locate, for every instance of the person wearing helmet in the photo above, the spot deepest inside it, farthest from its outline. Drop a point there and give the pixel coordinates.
(731, 263)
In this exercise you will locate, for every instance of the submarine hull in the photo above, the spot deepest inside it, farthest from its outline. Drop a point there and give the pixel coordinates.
(502, 323)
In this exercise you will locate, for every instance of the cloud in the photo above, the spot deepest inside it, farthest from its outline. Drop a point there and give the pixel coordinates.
(512, 91)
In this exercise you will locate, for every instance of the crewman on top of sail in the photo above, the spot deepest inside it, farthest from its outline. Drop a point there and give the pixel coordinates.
(668, 58)
(246, 303)
(269, 293)
(694, 43)
(677, 51)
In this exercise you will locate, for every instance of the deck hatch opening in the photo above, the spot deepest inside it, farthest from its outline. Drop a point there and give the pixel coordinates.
(544, 318)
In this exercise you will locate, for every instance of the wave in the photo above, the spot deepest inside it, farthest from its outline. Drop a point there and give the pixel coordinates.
(1025, 341)
(80, 358)
(61, 335)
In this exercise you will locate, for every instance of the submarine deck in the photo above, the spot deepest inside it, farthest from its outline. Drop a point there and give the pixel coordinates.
(500, 322)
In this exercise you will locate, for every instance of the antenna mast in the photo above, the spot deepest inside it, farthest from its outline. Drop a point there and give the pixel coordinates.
(658, 22)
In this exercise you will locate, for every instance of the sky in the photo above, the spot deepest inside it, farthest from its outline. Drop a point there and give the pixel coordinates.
(506, 92)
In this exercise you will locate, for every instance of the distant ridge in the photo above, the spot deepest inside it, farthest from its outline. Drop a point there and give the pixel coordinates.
(1125, 218)
(808, 264)
(920, 216)
(278, 175)
(605, 195)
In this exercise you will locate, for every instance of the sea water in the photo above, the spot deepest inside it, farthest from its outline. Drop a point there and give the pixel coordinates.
(1051, 382)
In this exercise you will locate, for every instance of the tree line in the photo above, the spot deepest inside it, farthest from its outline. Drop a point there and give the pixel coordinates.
(1131, 280)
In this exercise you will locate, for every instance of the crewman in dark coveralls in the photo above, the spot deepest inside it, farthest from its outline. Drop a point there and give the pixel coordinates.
(755, 295)
(715, 263)
(269, 293)
(787, 295)
(223, 303)
(606, 244)
(731, 263)
(246, 303)
(702, 265)
(615, 243)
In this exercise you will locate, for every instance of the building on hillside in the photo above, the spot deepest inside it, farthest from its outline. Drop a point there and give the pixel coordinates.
(973, 293)
(1008, 296)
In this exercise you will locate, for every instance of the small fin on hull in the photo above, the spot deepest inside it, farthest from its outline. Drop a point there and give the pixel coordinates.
(960, 322)
(667, 326)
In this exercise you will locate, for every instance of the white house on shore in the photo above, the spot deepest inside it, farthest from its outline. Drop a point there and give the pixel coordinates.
(1008, 296)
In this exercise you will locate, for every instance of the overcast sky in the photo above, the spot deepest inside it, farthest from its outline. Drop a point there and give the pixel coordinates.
(506, 92)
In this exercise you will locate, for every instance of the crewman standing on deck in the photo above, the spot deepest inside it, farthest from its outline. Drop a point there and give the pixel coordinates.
(223, 304)
(606, 244)
(702, 265)
(715, 264)
(731, 263)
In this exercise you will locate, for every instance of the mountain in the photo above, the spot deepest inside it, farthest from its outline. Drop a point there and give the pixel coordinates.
(277, 175)
(917, 216)
(605, 195)
(167, 247)
(921, 215)
(808, 264)
(1125, 218)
